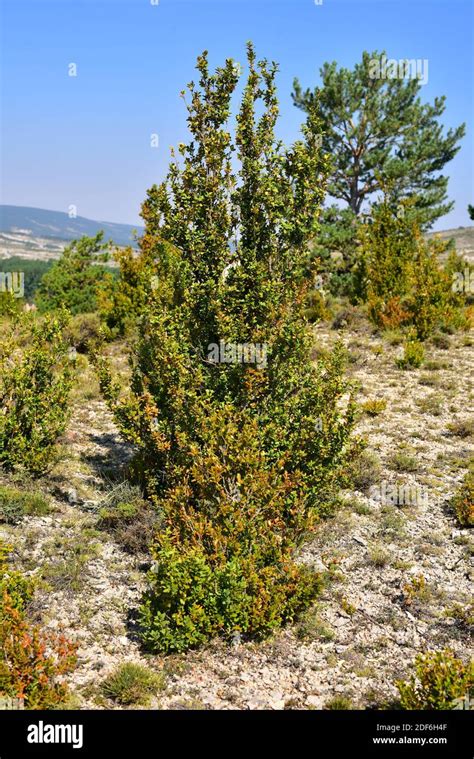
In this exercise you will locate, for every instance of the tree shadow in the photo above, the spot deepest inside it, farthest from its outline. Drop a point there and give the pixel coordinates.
(110, 458)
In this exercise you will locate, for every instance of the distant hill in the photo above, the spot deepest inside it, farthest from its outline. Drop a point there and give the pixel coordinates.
(40, 223)
(463, 238)
(35, 233)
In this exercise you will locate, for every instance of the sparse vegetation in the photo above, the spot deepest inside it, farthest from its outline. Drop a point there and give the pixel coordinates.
(311, 627)
(402, 461)
(439, 679)
(463, 501)
(413, 354)
(126, 515)
(132, 683)
(462, 428)
(374, 406)
(379, 557)
(15, 504)
(339, 703)
(363, 471)
(32, 661)
(67, 569)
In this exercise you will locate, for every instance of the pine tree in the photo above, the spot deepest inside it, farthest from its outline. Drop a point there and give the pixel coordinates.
(73, 279)
(376, 129)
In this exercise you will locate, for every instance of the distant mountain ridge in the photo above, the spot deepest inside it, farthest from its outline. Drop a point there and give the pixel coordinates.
(36, 233)
(39, 222)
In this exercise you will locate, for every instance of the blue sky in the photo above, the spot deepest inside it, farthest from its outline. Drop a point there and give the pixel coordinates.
(85, 140)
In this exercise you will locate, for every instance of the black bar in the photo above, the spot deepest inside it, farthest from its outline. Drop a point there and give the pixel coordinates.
(166, 733)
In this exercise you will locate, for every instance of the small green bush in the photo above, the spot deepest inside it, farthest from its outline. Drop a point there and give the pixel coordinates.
(463, 501)
(246, 594)
(374, 406)
(363, 471)
(132, 683)
(15, 504)
(438, 680)
(404, 282)
(413, 355)
(403, 462)
(84, 332)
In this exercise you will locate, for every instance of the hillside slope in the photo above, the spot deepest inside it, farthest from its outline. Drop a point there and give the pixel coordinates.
(400, 576)
(39, 233)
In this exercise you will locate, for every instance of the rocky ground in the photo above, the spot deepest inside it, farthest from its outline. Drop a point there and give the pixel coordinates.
(400, 578)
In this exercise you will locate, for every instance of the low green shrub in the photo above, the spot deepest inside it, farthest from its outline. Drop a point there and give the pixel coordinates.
(15, 504)
(463, 501)
(132, 683)
(84, 332)
(413, 355)
(339, 703)
(243, 594)
(403, 461)
(374, 406)
(439, 679)
(363, 471)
